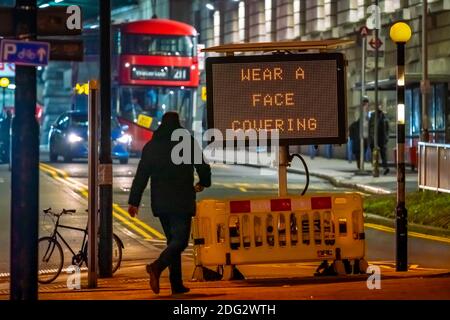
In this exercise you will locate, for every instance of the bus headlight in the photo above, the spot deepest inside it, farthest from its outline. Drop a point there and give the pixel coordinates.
(73, 138)
(125, 139)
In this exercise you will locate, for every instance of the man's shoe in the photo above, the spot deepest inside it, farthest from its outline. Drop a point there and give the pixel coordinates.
(386, 171)
(180, 290)
(152, 270)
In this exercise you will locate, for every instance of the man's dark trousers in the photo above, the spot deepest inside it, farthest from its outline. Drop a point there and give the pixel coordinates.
(177, 229)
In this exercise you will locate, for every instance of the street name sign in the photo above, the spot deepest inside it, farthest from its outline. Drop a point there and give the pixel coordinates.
(31, 53)
(302, 96)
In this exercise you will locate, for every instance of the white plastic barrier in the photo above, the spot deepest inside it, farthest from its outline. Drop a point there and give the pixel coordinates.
(316, 227)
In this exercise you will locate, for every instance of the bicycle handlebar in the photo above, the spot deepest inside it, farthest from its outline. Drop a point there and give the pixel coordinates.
(63, 211)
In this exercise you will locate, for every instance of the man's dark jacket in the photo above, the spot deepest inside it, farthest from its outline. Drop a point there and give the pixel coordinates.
(172, 186)
(383, 129)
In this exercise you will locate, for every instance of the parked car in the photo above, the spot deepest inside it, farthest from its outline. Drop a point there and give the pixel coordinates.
(68, 137)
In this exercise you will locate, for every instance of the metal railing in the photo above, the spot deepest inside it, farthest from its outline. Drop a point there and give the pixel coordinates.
(434, 166)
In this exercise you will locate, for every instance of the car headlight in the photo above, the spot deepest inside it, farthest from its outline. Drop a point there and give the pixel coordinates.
(125, 139)
(73, 138)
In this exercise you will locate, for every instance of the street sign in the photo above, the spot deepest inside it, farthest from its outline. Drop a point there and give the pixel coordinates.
(373, 43)
(32, 53)
(66, 50)
(301, 95)
(51, 21)
(364, 31)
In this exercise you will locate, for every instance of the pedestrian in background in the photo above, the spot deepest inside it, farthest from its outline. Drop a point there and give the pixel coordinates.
(172, 197)
(354, 132)
(383, 135)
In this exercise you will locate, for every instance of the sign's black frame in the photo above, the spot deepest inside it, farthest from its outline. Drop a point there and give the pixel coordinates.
(341, 90)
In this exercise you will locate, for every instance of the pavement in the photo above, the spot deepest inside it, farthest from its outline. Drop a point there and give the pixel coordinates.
(131, 283)
(339, 172)
(63, 185)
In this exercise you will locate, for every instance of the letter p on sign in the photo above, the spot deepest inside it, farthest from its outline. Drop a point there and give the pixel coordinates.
(10, 48)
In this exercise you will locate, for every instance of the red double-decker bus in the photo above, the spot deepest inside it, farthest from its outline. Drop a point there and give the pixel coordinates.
(156, 71)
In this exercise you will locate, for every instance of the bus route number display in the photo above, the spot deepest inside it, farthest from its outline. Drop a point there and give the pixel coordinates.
(301, 95)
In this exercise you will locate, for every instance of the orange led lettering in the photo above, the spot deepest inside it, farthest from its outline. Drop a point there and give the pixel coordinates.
(246, 123)
(267, 75)
(279, 124)
(299, 74)
(267, 100)
(278, 99)
(301, 124)
(256, 98)
(256, 75)
(245, 75)
(289, 99)
(312, 124)
(290, 124)
(277, 73)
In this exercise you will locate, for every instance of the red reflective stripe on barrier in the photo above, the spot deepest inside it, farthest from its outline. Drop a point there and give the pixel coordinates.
(320, 203)
(280, 204)
(240, 206)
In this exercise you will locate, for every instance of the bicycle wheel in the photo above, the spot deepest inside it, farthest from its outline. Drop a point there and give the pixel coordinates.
(51, 259)
(116, 253)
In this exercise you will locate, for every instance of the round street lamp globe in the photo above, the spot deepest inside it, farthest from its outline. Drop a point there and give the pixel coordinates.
(400, 32)
(4, 82)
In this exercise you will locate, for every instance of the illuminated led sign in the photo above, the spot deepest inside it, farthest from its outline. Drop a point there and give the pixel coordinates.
(301, 95)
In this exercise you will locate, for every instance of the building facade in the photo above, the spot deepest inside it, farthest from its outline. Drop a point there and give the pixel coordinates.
(226, 21)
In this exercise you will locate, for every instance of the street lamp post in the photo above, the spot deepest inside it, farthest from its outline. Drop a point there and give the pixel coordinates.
(400, 33)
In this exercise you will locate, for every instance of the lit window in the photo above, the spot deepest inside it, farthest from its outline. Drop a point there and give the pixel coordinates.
(268, 17)
(327, 15)
(216, 27)
(296, 12)
(361, 10)
(391, 5)
(320, 17)
(241, 21)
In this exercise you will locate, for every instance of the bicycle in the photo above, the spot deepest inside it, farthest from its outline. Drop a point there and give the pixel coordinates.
(51, 256)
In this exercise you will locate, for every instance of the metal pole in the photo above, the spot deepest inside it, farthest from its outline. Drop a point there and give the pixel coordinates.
(401, 212)
(376, 149)
(25, 169)
(425, 85)
(105, 169)
(93, 185)
(4, 98)
(282, 170)
(361, 107)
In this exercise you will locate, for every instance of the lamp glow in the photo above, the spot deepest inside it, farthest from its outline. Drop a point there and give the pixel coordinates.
(73, 138)
(4, 82)
(401, 113)
(400, 32)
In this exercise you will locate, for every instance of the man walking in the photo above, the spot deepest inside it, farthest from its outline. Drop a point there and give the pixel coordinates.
(354, 132)
(383, 136)
(172, 197)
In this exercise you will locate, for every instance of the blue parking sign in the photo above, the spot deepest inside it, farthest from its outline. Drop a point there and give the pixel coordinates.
(31, 53)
